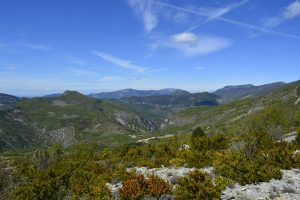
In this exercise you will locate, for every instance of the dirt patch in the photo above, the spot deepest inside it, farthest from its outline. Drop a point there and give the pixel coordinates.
(60, 103)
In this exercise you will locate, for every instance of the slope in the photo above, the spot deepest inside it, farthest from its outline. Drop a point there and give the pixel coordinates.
(69, 118)
(134, 93)
(163, 105)
(231, 93)
(7, 101)
(278, 111)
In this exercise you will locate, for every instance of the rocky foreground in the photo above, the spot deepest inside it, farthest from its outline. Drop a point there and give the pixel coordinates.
(288, 188)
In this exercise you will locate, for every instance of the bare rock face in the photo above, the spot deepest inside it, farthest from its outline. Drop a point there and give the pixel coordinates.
(296, 153)
(135, 122)
(114, 189)
(297, 101)
(64, 136)
(289, 137)
(164, 173)
(288, 188)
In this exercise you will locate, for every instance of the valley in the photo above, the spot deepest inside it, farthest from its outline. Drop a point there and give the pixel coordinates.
(72, 117)
(112, 144)
(149, 100)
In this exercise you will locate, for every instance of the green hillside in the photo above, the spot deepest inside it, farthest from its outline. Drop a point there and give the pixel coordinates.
(88, 144)
(280, 109)
(163, 105)
(68, 119)
(232, 93)
(74, 117)
(7, 101)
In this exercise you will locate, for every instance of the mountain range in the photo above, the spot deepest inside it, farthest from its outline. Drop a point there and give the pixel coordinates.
(7, 101)
(135, 93)
(72, 117)
(231, 93)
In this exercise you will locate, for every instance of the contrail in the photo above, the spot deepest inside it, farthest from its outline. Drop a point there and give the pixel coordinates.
(218, 14)
(229, 21)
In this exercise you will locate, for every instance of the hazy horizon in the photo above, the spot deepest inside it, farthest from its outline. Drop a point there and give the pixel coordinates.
(39, 93)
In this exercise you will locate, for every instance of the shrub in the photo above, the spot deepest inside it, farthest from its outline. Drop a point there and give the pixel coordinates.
(215, 142)
(75, 174)
(236, 166)
(133, 188)
(218, 142)
(197, 185)
(298, 137)
(84, 183)
(157, 187)
(139, 187)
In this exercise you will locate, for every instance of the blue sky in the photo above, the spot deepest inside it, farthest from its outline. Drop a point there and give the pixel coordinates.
(49, 46)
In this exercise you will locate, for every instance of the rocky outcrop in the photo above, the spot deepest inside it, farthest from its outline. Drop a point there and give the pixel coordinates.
(166, 173)
(288, 188)
(169, 174)
(289, 137)
(297, 101)
(135, 122)
(64, 136)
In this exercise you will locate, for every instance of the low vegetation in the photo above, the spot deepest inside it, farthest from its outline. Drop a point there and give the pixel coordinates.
(246, 150)
(84, 170)
(139, 187)
(199, 185)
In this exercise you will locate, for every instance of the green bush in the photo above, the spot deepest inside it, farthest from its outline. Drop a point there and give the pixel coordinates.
(237, 167)
(75, 174)
(298, 137)
(215, 142)
(198, 132)
(198, 185)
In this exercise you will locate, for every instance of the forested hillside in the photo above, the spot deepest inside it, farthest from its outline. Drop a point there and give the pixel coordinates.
(74, 146)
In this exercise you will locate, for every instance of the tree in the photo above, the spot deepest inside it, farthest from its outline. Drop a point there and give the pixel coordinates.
(298, 137)
(198, 132)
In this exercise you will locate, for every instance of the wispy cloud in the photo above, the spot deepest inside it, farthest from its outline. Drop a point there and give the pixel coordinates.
(192, 45)
(120, 62)
(185, 37)
(78, 61)
(82, 72)
(17, 45)
(159, 69)
(145, 10)
(226, 20)
(150, 11)
(73, 59)
(213, 13)
(200, 68)
(9, 66)
(33, 46)
(290, 12)
(111, 78)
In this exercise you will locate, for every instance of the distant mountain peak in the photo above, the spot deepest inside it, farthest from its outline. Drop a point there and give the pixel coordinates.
(129, 92)
(234, 92)
(7, 101)
(68, 92)
(239, 86)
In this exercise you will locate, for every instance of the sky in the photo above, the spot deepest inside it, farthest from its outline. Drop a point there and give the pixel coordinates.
(48, 46)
